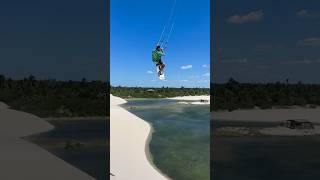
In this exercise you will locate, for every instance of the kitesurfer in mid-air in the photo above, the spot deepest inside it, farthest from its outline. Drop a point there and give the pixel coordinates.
(156, 57)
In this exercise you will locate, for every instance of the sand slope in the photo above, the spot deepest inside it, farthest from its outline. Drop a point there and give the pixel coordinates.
(23, 160)
(128, 137)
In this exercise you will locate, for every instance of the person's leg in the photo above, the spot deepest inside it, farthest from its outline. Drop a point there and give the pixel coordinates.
(161, 69)
(161, 65)
(158, 68)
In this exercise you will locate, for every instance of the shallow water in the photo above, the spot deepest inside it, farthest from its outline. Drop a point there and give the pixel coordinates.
(265, 157)
(180, 144)
(91, 157)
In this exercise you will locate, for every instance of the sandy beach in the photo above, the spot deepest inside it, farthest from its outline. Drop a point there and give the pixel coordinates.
(24, 160)
(270, 115)
(195, 99)
(129, 136)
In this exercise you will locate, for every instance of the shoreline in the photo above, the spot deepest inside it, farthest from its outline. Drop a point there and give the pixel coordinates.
(150, 130)
(191, 98)
(149, 155)
(195, 100)
(185, 98)
(268, 115)
(75, 118)
(277, 117)
(129, 132)
(17, 153)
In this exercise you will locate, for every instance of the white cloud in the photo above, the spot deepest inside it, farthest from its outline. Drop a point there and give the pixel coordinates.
(203, 81)
(205, 66)
(149, 72)
(313, 41)
(186, 66)
(253, 16)
(206, 74)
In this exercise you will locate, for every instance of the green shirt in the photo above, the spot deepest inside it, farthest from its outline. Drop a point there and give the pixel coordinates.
(156, 55)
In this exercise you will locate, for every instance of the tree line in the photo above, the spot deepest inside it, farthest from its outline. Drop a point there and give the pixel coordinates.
(52, 98)
(163, 92)
(234, 95)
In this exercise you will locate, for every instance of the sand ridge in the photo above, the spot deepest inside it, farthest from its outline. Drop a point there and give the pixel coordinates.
(129, 136)
(24, 160)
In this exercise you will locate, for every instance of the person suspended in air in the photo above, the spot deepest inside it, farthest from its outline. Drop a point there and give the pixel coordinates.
(156, 57)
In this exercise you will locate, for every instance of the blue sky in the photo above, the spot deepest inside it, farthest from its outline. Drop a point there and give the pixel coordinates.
(266, 40)
(135, 27)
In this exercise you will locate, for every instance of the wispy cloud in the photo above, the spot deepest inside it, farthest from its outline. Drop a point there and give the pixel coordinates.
(195, 81)
(203, 81)
(313, 41)
(194, 76)
(205, 66)
(149, 72)
(253, 16)
(186, 66)
(206, 74)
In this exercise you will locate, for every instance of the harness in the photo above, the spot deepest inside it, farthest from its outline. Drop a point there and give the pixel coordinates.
(155, 56)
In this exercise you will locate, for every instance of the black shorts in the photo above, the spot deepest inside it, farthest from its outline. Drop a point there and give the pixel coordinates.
(159, 63)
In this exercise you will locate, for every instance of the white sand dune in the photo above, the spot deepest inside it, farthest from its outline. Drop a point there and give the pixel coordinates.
(20, 159)
(191, 98)
(195, 99)
(128, 145)
(269, 115)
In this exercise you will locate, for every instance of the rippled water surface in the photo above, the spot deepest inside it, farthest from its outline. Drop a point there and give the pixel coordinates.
(180, 144)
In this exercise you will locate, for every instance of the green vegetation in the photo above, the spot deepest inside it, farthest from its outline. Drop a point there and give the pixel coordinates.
(139, 92)
(52, 98)
(234, 95)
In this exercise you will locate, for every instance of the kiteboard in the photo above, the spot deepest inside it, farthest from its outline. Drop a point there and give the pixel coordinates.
(161, 76)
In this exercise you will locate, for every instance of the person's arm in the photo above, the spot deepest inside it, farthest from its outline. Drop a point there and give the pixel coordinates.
(162, 52)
